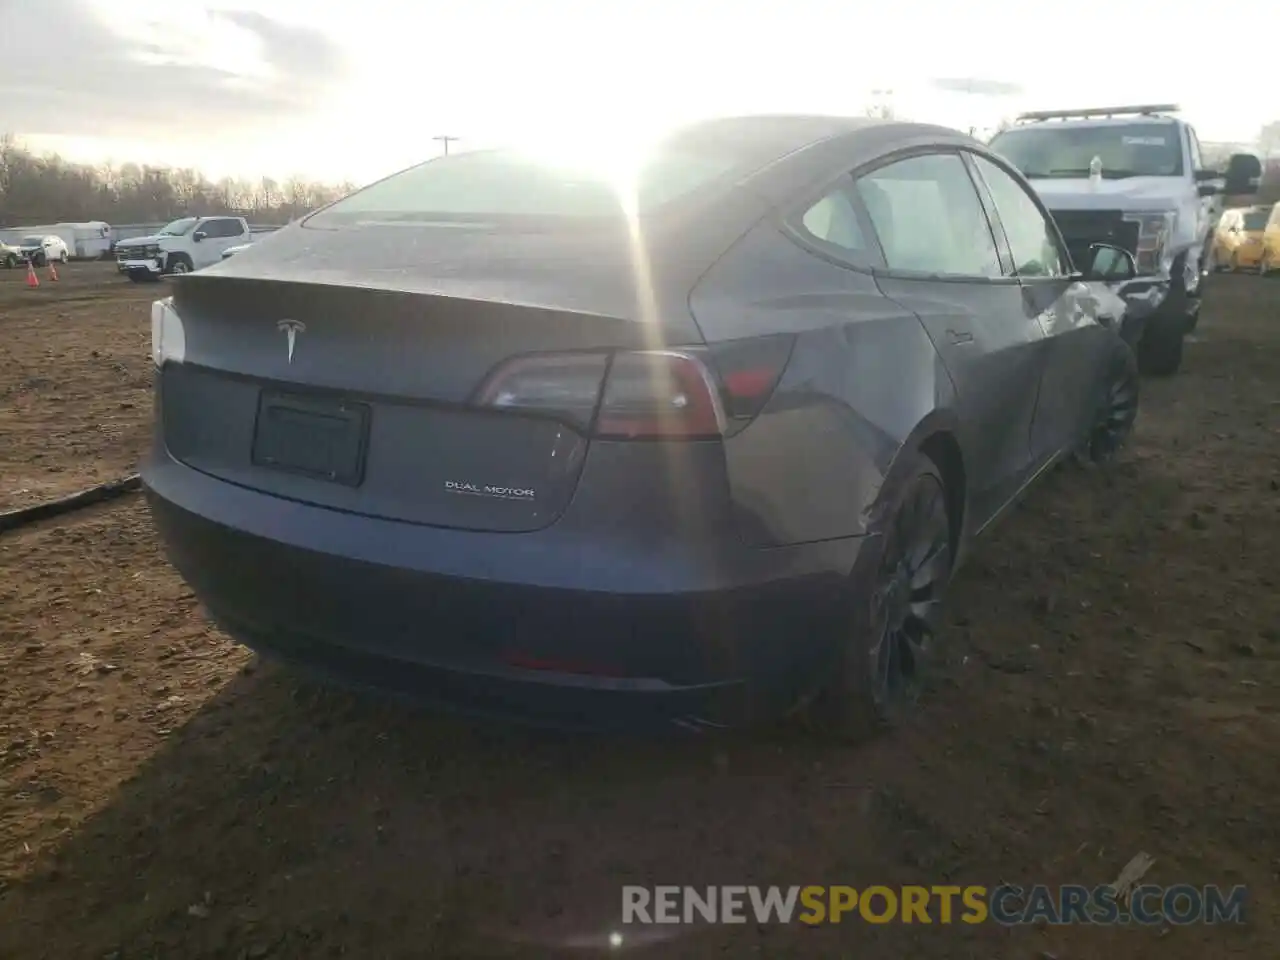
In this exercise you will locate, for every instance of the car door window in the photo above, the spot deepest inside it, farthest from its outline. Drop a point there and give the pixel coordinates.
(833, 222)
(1031, 236)
(928, 217)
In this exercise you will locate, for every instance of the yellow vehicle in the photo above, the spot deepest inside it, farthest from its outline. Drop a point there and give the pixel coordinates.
(1270, 259)
(1238, 241)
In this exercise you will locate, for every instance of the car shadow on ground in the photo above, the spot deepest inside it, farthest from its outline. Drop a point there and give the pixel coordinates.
(449, 833)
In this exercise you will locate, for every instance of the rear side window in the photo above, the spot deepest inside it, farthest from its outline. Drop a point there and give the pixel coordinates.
(1256, 219)
(833, 222)
(928, 217)
(497, 185)
(228, 228)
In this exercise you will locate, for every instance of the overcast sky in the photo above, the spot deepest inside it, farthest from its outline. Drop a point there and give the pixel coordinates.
(356, 90)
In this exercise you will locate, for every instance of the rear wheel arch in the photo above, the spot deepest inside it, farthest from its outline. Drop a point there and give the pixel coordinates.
(935, 438)
(944, 450)
(846, 701)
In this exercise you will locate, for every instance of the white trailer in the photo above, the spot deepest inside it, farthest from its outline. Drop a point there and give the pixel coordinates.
(86, 241)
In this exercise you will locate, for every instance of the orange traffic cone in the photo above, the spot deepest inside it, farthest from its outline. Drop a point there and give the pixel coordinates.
(53, 273)
(32, 279)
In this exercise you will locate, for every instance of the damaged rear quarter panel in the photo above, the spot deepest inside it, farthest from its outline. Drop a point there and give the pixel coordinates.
(863, 380)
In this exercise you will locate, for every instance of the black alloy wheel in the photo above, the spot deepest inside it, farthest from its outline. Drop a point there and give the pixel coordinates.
(914, 570)
(895, 608)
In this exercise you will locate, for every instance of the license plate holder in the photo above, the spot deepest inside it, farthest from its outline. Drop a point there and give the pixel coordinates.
(318, 437)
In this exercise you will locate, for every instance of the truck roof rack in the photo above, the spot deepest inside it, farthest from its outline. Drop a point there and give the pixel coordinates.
(1142, 110)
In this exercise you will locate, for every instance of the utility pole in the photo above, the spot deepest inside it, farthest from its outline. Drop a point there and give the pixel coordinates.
(445, 141)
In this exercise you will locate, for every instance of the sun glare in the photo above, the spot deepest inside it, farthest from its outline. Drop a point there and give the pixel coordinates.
(616, 158)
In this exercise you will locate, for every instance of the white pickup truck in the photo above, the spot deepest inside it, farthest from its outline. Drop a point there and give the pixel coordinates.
(1134, 177)
(180, 247)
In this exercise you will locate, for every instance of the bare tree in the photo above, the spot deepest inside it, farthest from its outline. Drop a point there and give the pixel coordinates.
(47, 189)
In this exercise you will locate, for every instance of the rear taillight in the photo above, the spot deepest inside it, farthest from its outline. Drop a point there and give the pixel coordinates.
(685, 394)
(749, 371)
(168, 338)
(659, 394)
(563, 385)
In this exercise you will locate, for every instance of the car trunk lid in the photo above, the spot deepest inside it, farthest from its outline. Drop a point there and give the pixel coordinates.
(344, 369)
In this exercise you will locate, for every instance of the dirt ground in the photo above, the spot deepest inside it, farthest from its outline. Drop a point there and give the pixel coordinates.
(75, 386)
(1115, 689)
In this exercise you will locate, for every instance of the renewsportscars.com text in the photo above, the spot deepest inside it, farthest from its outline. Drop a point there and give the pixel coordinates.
(1008, 905)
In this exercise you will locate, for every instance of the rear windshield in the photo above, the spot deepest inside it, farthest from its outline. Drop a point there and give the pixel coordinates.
(1256, 219)
(1046, 150)
(508, 186)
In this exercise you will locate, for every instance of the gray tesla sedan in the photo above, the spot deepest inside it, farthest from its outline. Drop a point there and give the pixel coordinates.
(693, 448)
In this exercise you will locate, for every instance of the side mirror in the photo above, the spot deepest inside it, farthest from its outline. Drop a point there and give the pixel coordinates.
(1110, 263)
(1244, 174)
(199, 235)
(1209, 183)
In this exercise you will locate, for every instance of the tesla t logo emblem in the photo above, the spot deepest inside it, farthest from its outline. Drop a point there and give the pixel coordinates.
(291, 329)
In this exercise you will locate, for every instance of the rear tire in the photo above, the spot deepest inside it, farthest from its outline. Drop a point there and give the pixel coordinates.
(65, 256)
(1160, 349)
(893, 603)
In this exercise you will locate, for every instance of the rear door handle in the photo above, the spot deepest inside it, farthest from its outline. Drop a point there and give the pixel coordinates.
(959, 336)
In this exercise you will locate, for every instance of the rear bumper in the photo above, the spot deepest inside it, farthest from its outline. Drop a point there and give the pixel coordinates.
(537, 627)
